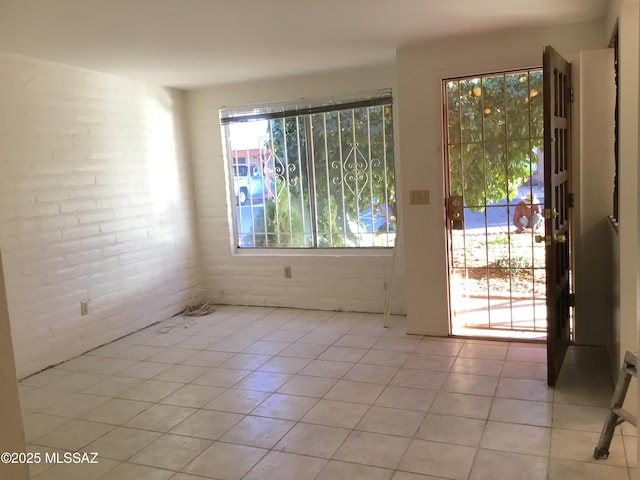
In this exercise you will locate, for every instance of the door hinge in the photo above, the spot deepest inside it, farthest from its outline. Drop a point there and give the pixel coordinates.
(571, 94)
(572, 299)
(570, 200)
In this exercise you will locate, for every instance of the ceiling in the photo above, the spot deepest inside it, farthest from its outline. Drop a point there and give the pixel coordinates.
(192, 43)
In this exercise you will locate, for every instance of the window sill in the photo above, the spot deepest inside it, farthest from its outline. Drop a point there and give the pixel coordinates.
(314, 252)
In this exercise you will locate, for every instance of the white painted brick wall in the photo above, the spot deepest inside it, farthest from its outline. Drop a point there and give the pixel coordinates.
(345, 282)
(95, 202)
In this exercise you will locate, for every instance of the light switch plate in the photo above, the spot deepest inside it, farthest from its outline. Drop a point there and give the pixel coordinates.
(418, 197)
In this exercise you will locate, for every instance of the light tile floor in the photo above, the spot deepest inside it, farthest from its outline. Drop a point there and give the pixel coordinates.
(278, 394)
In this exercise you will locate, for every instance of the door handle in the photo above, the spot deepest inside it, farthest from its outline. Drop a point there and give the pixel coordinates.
(548, 213)
(548, 239)
(560, 238)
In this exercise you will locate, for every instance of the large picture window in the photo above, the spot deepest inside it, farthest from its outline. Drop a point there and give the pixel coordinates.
(318, 175)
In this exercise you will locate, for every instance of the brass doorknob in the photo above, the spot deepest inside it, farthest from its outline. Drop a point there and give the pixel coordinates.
(546, 239)
(548, 213)
(560, 238)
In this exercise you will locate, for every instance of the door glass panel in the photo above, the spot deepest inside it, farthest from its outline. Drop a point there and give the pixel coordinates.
(498, 242)
(495, 163)
(517, 100)
(453, 112)
(471, 110)
(459, 259)
(493, 108)
(497, 171)
(455, 170)
(473, 174)
(536, 105)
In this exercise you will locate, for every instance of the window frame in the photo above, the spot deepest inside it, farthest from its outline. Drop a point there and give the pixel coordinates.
(302, 107)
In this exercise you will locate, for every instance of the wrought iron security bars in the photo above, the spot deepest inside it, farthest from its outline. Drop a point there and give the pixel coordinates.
(494, 152)
(319, 175)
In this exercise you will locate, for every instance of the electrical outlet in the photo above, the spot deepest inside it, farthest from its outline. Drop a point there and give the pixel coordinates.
(287, 272)
(84, 307)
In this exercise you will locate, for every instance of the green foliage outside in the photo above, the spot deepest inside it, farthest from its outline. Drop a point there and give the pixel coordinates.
(284, 222)
(516, 263)
(494, 123)
(500, 240)
(349, 153)
(330, 235)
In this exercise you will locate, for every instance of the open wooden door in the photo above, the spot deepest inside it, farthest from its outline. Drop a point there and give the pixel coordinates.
(558, 202)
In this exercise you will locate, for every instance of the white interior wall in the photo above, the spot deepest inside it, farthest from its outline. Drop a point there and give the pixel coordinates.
(628, 181)
(344, 280)
(11, 433)
(95, 203)
(636, 404)
(420, 70)
(593, 188)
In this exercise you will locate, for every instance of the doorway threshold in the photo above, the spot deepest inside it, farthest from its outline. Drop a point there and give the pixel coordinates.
(500, 334)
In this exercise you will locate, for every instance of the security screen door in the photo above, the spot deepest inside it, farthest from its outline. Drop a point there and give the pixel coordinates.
(508, 156)
(495, 162)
